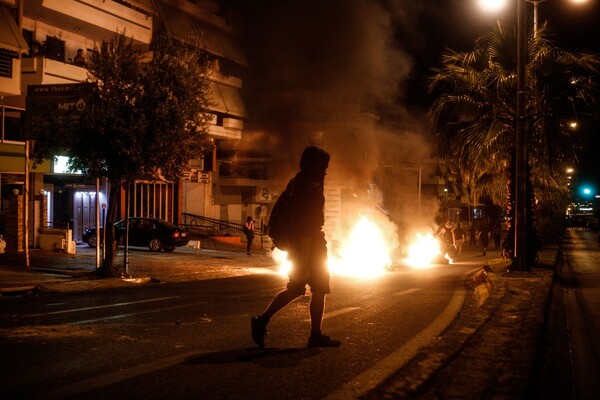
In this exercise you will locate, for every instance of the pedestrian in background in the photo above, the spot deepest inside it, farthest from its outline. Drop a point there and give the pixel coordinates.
(484, 236)
(497, 232)
(249, 232)
(459, 239)
(307, 251)
(472, 235)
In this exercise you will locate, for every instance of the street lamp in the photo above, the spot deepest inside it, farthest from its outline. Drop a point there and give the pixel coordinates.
(521, 159)
(520, 248)
(535, 12)
(520, 184)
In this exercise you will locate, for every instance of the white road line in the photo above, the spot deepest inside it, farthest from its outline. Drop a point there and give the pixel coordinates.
(369, 379)
(407, 291)
(119, 316)
(335, 313)
(99, 307)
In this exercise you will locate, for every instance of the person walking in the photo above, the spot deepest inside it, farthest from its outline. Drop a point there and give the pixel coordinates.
(484, 236)
(446, 235)
(249, 232)
(472, 239)
(459, 239)
(307, 251)
(497, 232)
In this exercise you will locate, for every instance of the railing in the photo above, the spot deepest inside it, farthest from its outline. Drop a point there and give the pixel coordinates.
(216, 227)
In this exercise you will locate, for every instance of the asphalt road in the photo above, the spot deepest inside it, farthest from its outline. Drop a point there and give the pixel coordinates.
(571, 348)
(191, 339)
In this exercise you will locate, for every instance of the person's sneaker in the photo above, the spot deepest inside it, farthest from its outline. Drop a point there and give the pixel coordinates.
(259, 330)
(322, 341)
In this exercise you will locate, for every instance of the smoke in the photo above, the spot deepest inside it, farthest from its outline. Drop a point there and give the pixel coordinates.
(335, 73)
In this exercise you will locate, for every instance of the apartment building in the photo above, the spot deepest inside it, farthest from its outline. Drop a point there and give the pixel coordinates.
(39, 45)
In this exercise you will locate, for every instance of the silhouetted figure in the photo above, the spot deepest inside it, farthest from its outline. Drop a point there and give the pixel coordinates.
(79, 59)
(484, 236)
(459, 239)
(307, 252)
(249, 232)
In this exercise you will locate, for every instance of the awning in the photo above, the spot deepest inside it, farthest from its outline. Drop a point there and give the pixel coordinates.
(144, 5)
(183, 26)
(10, 35)
(227, 100)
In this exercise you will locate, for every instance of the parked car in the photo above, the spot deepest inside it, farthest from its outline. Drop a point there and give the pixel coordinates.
(155, 233)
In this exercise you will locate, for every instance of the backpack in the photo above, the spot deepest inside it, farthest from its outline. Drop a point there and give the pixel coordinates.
(281, 221)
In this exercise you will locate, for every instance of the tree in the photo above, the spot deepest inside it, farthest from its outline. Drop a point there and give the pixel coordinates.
(146, 118)
(475, 116)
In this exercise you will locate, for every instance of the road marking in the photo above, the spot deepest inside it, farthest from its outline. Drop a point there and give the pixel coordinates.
(119, 316)
(372, 377)
(335, 313)
(407, 291)
(99, 307)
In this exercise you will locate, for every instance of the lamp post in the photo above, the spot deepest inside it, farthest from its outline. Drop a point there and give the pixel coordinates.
(535, 15)
(520, 150)
(521, 159)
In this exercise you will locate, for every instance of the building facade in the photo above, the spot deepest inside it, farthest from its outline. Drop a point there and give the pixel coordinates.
(39, 45)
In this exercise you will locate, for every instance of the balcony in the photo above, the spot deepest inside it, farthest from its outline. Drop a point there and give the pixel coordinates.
(97, 20)
(42, 70)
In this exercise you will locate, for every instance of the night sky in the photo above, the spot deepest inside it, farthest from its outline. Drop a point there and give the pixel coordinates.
(307, 44)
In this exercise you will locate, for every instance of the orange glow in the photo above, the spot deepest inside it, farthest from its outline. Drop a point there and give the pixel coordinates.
(364, 253)
(423, 251)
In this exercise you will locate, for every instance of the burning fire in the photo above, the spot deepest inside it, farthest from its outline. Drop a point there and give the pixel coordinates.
(365, 253)
(423, 252)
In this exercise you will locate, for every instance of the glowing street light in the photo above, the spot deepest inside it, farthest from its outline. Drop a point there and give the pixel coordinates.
(520, 206)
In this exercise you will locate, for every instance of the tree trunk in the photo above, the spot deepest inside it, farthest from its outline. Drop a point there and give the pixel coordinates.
(108, 267)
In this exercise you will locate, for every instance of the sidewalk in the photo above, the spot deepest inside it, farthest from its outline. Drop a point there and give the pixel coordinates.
(60, 272)
(488, 352)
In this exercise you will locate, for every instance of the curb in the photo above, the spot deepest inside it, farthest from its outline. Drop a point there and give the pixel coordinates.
(78, 286)
(418, 373)
(16, 290)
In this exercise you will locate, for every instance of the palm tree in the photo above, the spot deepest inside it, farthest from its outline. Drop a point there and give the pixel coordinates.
(475, 117)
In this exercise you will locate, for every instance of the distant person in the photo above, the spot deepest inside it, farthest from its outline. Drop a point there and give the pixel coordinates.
(446, 235)
(497, 232)
(472, 235)
(249, 232)
(79, 59)
(307, 252)
(459, 239)
(484, 236)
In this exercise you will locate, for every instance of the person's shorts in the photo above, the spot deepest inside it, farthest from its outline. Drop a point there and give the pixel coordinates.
(309, 269)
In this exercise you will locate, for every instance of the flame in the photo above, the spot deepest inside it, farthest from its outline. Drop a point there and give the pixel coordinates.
(365, 253)
(280, 258)
(424, 251)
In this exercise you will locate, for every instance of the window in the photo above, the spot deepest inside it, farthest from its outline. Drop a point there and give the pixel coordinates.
(6, 58)
(12, 124)
(55, 48)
